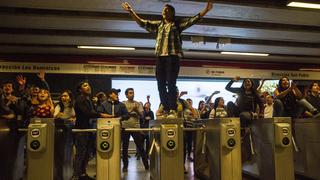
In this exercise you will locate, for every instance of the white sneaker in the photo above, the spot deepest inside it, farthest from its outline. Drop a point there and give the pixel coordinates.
(172, 114)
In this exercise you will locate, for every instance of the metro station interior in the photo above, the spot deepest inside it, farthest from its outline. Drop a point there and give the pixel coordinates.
(160, 89)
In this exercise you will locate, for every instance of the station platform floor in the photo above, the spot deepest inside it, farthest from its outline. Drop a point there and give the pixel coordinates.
(136, 170)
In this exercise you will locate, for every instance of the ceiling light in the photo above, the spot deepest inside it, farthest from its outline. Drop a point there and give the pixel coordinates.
(304, 5)
(106, 47)
(309, 69)
(244, 53)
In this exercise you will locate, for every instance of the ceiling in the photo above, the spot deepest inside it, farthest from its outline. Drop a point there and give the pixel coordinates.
(56, 27)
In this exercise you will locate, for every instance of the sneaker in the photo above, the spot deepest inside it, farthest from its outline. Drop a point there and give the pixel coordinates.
(125, 169)
(172, 114)
(74, 178)
(316, 114)
(190, 158)
(185, 170)
(146, 167)
(86, 177)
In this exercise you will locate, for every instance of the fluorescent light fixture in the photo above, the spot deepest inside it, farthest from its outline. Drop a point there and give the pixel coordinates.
(107, 47)
(304, 5)
(309, 69)
(244, 53)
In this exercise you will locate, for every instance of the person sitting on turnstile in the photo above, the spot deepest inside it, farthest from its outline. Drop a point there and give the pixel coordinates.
(65, 117)
(248, 101)
(84, 112)
(135, 111)
(289, 100)
(313, 97)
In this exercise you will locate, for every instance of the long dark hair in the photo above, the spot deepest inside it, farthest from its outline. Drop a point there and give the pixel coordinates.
(216, 102)
(280, 88)
(252, 89)
(60, 101)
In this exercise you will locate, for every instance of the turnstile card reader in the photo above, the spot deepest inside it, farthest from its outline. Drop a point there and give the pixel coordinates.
(166, 159)
(105, 137)
(272, 139)
(37, 137)
(169, 137)
(40, 146)
(108, 149)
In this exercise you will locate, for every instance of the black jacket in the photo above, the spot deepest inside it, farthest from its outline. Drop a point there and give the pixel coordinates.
(85, 111)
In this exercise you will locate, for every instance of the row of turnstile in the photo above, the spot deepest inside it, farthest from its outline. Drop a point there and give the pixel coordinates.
(278, 150)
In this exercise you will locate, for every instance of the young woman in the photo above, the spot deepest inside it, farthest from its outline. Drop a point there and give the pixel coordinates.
(219, 110)
(45, 108)
(248, 100)
(64, 115)
(289, 100)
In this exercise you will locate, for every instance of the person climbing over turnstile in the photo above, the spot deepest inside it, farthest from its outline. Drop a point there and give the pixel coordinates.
(168, 49)
(289, 100)
(248, 102)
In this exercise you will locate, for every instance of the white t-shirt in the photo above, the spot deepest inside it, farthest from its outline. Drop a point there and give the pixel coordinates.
(68, 112)
(268, 111)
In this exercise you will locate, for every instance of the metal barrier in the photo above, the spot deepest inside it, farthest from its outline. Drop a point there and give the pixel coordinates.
(218, 149)
(307, 158)
(40, 148)
(273, 150)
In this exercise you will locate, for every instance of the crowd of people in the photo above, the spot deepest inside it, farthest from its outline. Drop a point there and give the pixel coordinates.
(18, 106)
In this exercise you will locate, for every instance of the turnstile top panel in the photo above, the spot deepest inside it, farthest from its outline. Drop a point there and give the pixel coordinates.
(275, 120)
(108, 120)
(158, 122)
(307, 120)
(42, 120)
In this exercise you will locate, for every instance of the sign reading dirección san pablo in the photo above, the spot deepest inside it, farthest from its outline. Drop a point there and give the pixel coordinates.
(143, 70)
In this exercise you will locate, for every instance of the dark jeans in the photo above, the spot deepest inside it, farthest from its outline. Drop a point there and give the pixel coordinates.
(63, 151)
(167, 70)
(83, 142)
(9, 146)
(138, 140)
(189, 142)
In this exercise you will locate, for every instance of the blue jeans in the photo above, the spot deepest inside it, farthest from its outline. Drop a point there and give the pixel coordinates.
(302, 105)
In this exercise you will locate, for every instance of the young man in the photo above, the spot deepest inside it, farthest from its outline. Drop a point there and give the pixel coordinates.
(85, 111)
(168, 49)
(135, 111)
(113, 107)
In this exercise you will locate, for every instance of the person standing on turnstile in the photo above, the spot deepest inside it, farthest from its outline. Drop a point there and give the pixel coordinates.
(84, 112)
(168, 49)
(135, 111)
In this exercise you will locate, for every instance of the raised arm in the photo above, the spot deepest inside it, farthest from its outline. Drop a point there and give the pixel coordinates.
(206, 9)
(127, 7)
(151, 26)
(193, 20)
(231, 89)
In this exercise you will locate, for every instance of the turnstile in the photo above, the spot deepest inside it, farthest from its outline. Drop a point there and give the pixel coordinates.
(307, 156)
(218, 150)
(272, 144)
(166, 158)
(108, 149)
(40, 149)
